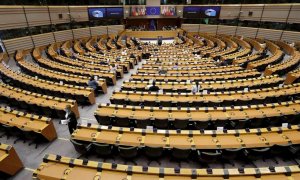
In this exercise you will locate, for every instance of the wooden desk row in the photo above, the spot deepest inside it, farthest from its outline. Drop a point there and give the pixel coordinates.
(29, 122)
(199, 114)
(292, 76)
(264, 81)
(188, 139)
(284, 67)
(194, 64)
(215, 97)
(261, 64)
(59, 76)
(49, 86)
(127, 64)
(94, 63)
(198, 77)
(247, 59)
(58, 167)
(40, 100)
(190, 70)
(48, 64)
(10, 163)
(106, 74)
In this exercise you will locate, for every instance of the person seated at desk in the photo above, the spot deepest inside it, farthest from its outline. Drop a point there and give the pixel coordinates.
(92, 83)
(113, 68)
(175, 66)
(196, 87)
(132, 55)
(71, 119)
(161, 70)
(153, 88)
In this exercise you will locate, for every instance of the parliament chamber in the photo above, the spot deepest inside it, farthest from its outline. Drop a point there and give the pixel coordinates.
(149, 90)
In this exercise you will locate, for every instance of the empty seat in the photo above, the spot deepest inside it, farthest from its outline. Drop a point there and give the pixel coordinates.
(180, 124)
(161, 124)
(143, 123)
(102, 150)
(181, 154)
(208, 156)
(256, 153)
(201, 124)
(153, 153)
(104, 120)
(81, 148)
(122, 121)
(128, 153)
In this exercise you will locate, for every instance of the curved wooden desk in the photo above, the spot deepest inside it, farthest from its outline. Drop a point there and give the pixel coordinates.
(188, 139)
(58, 167)
(10, 162)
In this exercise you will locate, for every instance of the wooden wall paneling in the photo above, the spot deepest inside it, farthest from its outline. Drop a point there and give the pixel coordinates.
(229, 30)
(12, 17)
(37, 15)
(79, 13)
(55, 12)
(61, 36)
(256, 12)
(115, 29)
(18, 43)
(269, 34)
(98, 30)
(212, 29)
(43, 39)
(81, 33)
(290, 36)
(275, 13)
(230, 11)
(294, 16)
(246, 31)
(190, 27)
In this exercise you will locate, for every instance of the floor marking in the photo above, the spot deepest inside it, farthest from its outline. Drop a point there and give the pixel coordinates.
(64, 139)
(29, 169)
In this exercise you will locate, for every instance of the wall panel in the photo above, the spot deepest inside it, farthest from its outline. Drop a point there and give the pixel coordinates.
(229, 30)
(275, 13)
(294, 16)
(256, 12)
(61, 36)
(43, 39)
(190, 27)
(12, 45)
(79, 13)
(115, 29)
(54, 14)
(208, 28)
(81, 33)
(269, 34)
(246, 31)
(291, 36)
(12, 17)
(99, 30)
(229, 11)
(37, 15)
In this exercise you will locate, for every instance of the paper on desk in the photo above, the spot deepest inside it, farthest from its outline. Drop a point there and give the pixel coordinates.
(64, 121)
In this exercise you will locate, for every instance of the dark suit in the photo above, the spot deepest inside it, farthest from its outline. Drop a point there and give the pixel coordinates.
(72, 125)
(154, 88)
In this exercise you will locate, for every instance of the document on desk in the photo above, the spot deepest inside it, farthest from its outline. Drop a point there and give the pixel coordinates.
(64, 121)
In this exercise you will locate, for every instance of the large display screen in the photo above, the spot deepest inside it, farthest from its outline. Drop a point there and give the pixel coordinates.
(116, 12)
(153, 10)
(201, 11)
(138, 11)
(168, 10)
(96, 13)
